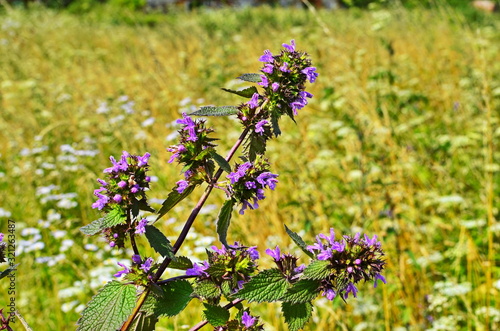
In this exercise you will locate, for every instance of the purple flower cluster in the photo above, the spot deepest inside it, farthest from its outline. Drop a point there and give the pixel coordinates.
(126, 180)
(138, 269)
(193, 151)
(248, 181)
(286, 263)
(237, 261)
(352, 259)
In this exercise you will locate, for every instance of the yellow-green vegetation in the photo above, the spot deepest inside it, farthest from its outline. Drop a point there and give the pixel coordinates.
(399, 141)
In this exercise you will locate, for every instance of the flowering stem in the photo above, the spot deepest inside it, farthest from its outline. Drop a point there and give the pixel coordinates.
(132, 239)
(203, 323)
(185, 230)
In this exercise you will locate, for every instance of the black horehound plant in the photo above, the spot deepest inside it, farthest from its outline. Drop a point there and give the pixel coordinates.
(230, 276)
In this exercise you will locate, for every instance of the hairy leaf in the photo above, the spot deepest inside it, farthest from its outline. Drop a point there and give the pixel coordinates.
(317, 270)
(174, 298)
(216, 270)
(207, 289)
(215, 111)
(303, 291)
(296, 315)
(255, 145)
(180, 263)
(159, 242)
(143, 205)
(299, 241)
(173, 199)
(246, 93)
(114, 217)
(224, 219)
(109, 308)
(221, 161)
(7, 271)
(252, 78)
(215, 315)
(275, 126)
(269, 285)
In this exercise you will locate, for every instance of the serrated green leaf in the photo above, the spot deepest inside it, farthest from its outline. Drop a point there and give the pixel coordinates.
(215, 111)
(159, 242)
(221, 161)
(224, 219)
(109, 308)
(252, 78)
(144, 205)
(114, 217)
(144, 322)
(175, 297)
(180, 263)
(246, 93)
(173, 199)
(207, 289)
(135, 208)
(216, 270)
(299, 241)
(275, 126)
(215, 315)
(7, 271)
(269, 285)
(296, 315)
(317, 270)
(302, 291)
(255, 145)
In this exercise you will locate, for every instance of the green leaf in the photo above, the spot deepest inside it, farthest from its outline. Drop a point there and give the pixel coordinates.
(252, 78)
(269, 285)
(216, 315)
(174, 298)
(173, 199)
(302, 291)
(216, 270)
(246, 93)
(143, 205)
(224, 219)
(299, 241)
(109, 308)
(7, 271)
(221, 161)
(215, 111)
(275, 126)
(114, 217)
(296, 315)
(255, 145)
(144, 322)
(159, 242)
(207, 289)
(180, 263)
(317, 270)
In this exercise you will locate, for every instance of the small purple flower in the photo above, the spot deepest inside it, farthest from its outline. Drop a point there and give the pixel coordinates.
(267, 57)
(182, 185)
(103, 183)
(244, 206)
(310, 73)
(274, 253)
(291, 47)
(250, 185)
(247, 320)
(275, 86)
(1, 237)
(117, 198)
(284, 67)
(330, 294)
(125, 270)
(122, 184)
(220, 251)
(377, 277)
(239, 173)
(351, 289)
(198, 270)
(136, 258)
(134, 189)
(112, 244)
(268, 68)
(147, 179)
(141, 226)
(372, 242)
(253, 253)
(264, 82)
(267, 178)
(189, 125)
(101, 203)
(325, 254)
(146, 266)
(331, 238)
(254, 102)
(142, 161)
(259, 127)
(299, 269)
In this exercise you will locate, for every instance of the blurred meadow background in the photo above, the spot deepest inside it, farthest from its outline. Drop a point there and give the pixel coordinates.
(400, 140)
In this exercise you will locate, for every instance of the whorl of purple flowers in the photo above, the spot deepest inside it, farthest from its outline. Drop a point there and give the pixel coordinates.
(352, 259)
(126, 180)
(247, 183)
